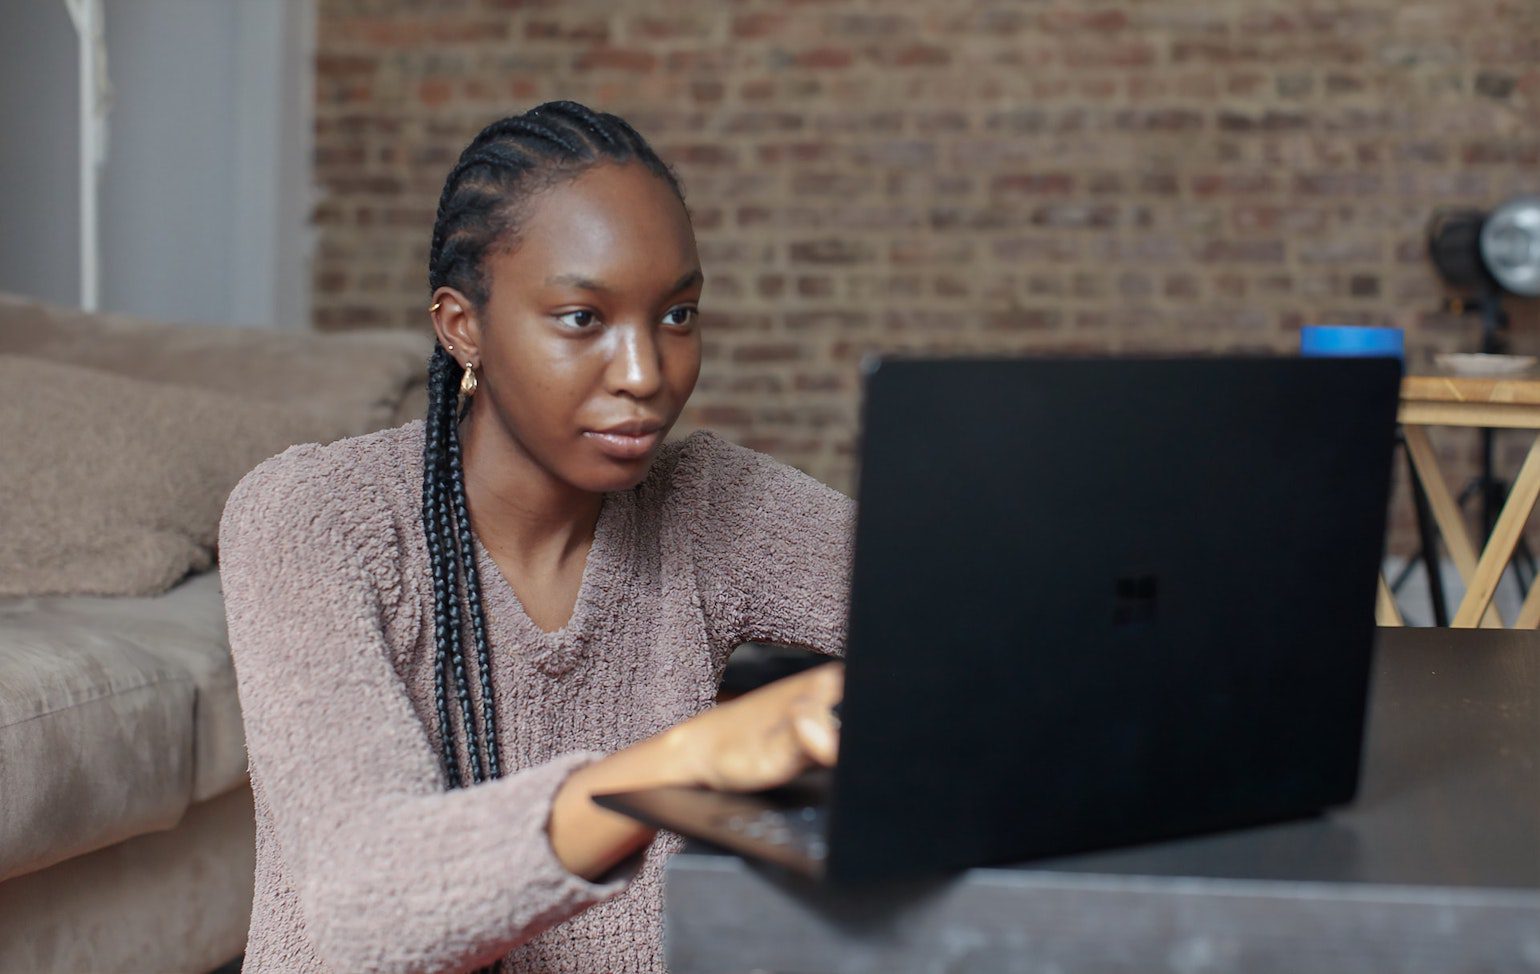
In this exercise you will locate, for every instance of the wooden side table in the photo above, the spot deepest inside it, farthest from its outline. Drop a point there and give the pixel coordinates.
(1510, 403)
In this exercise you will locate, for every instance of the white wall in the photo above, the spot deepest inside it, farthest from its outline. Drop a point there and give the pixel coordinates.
(205, 195)
(39, 209)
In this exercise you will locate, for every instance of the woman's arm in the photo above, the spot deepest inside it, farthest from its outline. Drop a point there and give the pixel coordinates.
(392, 872)
(760, 740)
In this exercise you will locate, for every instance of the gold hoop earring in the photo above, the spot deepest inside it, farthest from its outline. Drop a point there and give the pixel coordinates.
(468, 381)
(435, 306)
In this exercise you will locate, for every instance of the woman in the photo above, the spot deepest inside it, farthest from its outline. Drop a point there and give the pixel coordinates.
(449, 635)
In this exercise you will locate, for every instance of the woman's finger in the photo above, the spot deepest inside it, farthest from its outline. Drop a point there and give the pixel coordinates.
(825, 682)
(817, 732)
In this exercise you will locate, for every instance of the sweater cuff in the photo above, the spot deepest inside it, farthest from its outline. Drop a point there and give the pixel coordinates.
(576, 887)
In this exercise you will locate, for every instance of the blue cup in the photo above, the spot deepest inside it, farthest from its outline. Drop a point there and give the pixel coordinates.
(1352, 341)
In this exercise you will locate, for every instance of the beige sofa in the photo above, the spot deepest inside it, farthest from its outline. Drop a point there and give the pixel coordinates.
(126, 827)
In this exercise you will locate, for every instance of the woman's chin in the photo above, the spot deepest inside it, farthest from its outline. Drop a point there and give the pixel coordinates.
(608, 476)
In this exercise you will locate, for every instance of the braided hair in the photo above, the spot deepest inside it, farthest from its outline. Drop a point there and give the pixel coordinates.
(484, 197)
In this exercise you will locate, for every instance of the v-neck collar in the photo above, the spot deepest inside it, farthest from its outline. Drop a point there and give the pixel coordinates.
(557, 651)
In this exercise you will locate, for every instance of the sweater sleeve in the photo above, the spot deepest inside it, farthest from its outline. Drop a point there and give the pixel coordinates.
(771, 547)
(392, 872)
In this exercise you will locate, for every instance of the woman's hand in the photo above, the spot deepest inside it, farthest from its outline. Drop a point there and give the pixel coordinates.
(759, 740)
(766, 737)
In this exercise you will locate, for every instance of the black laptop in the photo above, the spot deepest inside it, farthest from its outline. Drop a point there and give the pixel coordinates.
(1095, 602)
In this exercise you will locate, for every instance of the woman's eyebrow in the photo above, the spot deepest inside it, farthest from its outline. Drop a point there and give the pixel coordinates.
(589, 284)
(694, 277)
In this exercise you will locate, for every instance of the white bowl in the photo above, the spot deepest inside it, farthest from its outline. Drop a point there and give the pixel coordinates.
(1474, 363)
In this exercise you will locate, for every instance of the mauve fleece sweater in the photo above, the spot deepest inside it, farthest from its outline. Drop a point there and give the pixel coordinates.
(364, 861)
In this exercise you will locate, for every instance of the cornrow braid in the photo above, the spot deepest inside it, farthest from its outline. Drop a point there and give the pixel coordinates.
(480, 207)
(591, 123)
(438, 556)
(473, 596)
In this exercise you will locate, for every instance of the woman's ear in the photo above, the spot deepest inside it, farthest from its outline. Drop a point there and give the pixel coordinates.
(456, 324)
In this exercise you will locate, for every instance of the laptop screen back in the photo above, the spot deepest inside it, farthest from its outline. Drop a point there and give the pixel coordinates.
(1104, 601)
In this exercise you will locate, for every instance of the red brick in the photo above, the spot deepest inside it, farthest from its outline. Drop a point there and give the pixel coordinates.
(1230, 285)
(910, 56)
(1337, 251)
(797, 152)
(944, 122)
(1232, 183)
(616, 59)
(768, 352)
(823, 382)
(825, 57)
(754, 26)
(864, 25)
(838, 184)
(1024, 319)
(1159, 120)
(671, 29)
(737, 322)
(1078, 21)
(827, 322)
(1353, 184)
(334, 66)
(1241, 251)
(1076, 215)
(435, 92)
(699, 154)
(831, 251)
(1510, 151)
(1180, 286)
(1034, 184)
(1219, 52)
(1364, 286)
(895, 154)
(815, 287)
(1110, 54)
(931, 250)
(594, 30)
(708, 92)
(1055, 248)
(950, 286)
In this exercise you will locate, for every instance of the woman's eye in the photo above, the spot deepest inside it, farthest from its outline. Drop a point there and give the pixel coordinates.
(680, 317)
(577, 320)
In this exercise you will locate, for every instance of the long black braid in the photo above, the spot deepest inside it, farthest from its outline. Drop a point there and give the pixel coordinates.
(480, 207)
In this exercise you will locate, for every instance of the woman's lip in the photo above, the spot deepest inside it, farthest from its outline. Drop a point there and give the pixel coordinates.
(624, 446)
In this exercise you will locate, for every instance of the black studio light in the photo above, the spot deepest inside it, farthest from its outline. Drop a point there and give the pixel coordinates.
(1489, 253)
(1486, 255)
(1510, 246)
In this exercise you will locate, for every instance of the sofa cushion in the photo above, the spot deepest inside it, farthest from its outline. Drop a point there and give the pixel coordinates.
(167, 901)
(113, 486)
(115, 715)
(356, 378)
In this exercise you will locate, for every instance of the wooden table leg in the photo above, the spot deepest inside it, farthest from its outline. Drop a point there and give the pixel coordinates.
(1385, 611)
(1505, 535)
(1446, 513)
(1529, 612)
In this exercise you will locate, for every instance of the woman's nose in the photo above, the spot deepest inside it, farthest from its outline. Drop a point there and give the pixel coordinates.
(635, 368)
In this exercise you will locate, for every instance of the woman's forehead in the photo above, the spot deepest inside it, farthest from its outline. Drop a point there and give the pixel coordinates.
(611, 222)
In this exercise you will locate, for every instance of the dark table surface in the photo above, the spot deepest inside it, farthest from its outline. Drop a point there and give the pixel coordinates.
(1435, 866)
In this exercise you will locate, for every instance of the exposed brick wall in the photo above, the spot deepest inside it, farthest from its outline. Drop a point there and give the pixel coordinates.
(975, 176)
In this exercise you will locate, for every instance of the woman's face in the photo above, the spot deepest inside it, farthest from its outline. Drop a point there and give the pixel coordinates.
(589, 343)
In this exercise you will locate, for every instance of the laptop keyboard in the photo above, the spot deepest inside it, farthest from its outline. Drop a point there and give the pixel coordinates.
(803, 829)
